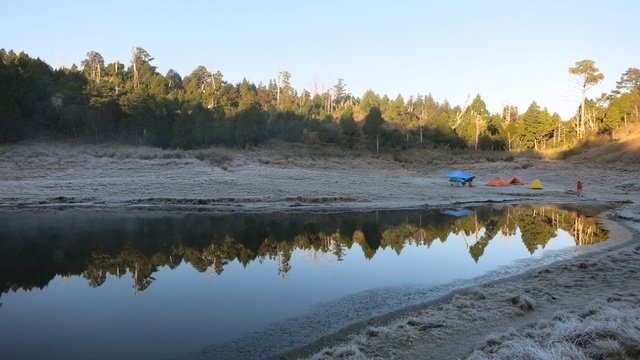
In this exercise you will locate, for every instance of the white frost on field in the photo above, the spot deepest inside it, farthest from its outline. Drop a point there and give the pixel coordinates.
(603, 330)
(54, 174)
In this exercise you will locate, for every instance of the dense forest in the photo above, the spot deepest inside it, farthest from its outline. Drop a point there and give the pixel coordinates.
(134, 103)
(140, 245)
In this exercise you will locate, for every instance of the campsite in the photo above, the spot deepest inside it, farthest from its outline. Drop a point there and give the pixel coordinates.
(319, 180)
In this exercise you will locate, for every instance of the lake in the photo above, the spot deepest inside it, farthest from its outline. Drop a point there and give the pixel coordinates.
(148, 285)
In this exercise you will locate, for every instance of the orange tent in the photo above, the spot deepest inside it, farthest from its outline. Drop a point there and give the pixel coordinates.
(514, 180)
(497, 182)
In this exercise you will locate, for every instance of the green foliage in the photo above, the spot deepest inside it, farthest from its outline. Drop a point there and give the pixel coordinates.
(134, 103)
(10, 112)
(348, 125)
(612, 119)
(326, 130)
(466, 129)
(369, 100)
(478, 106)
(26, 97)
(473, 123)
(373, 123)
(587, 72)
(195, 127)
(588, 75)
(537, 127)
(395, 139)
(629, 82)
(448, 139)
(395, 110)
(486, 142)
(93, 66)
(287, 126)
(104, 120)
(147, 120)
(340, 95)
(247, 94)
(249, 126)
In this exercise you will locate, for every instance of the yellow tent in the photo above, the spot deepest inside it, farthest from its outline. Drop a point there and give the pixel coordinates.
(536, 184)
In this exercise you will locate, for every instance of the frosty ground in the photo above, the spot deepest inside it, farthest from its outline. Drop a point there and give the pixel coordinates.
(581, 308)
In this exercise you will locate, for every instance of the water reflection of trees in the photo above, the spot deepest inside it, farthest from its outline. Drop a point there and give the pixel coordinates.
(36, 248)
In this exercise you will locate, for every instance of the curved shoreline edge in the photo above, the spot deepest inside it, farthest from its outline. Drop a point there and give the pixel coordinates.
(620, 232)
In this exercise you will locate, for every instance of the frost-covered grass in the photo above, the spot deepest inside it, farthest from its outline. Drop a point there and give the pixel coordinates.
(602, 331)
(62, 150)
(347, 351)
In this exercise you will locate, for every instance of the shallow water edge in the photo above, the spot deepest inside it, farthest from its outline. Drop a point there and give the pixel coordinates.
(621, 236)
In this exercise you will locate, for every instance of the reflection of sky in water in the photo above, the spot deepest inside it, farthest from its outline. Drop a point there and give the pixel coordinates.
(185, 310)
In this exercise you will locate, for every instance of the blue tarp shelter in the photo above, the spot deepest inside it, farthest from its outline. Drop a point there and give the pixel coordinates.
(459, 212)
(464, 175)
(459, 177)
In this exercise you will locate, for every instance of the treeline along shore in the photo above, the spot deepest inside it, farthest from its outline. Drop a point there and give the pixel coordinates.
(133, 103)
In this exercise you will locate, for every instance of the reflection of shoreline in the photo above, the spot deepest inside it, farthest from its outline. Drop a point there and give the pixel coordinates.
(95, 245)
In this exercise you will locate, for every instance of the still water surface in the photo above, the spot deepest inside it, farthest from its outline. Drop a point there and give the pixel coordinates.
(104, 285)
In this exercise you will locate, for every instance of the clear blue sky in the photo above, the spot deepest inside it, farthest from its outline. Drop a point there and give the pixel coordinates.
(511, 52)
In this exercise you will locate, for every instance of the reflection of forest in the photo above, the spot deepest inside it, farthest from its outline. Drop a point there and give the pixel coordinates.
(35, 247)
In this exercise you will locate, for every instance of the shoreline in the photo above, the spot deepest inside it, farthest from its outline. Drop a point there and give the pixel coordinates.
(261, 207)
(341, 343)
